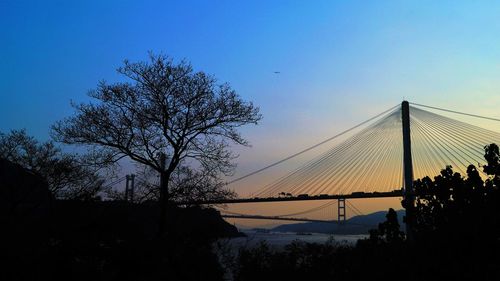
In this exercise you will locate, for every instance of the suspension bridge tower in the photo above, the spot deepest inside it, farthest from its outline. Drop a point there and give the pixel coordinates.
(409, 194)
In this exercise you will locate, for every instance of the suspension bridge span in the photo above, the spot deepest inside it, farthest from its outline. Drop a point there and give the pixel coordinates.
(328, 208)
(256, 217)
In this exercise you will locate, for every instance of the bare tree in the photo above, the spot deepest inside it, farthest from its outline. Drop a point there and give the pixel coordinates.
(166, 109)
(69, 176)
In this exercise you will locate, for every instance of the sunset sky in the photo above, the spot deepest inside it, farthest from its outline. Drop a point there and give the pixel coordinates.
(340, 62)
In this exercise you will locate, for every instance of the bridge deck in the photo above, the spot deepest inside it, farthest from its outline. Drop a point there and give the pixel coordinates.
(355, 195)
(276, 218)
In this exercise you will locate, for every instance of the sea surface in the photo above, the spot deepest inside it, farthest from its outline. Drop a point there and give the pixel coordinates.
(227, 249)
(278, 240)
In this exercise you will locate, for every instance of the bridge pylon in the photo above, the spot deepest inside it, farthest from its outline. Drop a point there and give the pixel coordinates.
(341, 214)
(409, 194)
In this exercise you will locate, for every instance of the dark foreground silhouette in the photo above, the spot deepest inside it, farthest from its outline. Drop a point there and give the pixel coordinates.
(47, 239)
(457, 231)
(382, 257)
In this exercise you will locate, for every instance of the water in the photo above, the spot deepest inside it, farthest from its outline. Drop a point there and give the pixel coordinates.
(227, 249)
(278, 240)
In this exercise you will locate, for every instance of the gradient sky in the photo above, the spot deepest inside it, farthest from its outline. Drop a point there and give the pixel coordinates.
(340, 61)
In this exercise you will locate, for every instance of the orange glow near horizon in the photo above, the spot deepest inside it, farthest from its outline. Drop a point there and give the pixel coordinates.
(433, 148)
(366, 206)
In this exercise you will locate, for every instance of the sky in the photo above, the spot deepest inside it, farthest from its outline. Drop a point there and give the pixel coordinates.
(340, 62)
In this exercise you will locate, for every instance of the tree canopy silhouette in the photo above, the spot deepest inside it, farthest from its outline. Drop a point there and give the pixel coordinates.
(454, 209)
(389, 230)
(69, 176)
(167, 109)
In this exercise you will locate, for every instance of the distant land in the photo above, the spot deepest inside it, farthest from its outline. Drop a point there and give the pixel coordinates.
(355, 225)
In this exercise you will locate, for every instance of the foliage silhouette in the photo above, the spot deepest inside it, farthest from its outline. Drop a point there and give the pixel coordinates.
(69, 176)
(452, 209)
(388, 231)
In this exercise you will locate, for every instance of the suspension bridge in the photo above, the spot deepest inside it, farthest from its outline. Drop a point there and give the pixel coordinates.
(377, 158)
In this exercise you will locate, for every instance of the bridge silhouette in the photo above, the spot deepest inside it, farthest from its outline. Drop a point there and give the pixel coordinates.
(378, 158)
(274, 218)
(293, 216)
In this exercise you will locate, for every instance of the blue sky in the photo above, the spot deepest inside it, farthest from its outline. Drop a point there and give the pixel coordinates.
(341, 62)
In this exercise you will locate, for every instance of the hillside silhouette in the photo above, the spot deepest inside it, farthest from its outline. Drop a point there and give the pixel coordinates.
(354, 225)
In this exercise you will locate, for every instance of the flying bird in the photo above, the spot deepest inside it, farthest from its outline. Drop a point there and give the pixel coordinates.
(277, 72)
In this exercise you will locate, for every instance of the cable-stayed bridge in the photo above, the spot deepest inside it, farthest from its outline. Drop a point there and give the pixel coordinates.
(377, 158)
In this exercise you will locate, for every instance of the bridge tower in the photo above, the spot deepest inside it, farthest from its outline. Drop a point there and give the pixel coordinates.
(409, 194)
(341, 211)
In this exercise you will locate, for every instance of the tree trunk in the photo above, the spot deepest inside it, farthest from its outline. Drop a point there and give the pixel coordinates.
(163, 202)
(164, 179)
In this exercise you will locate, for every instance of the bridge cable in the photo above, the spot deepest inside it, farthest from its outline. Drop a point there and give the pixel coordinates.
(364, 158)
(342, 159)
(463, 140)
(459, 139)
(319, 162)
(309, 148)
(317, 208)
(457, 112)
(354, 208)
(119, 180)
